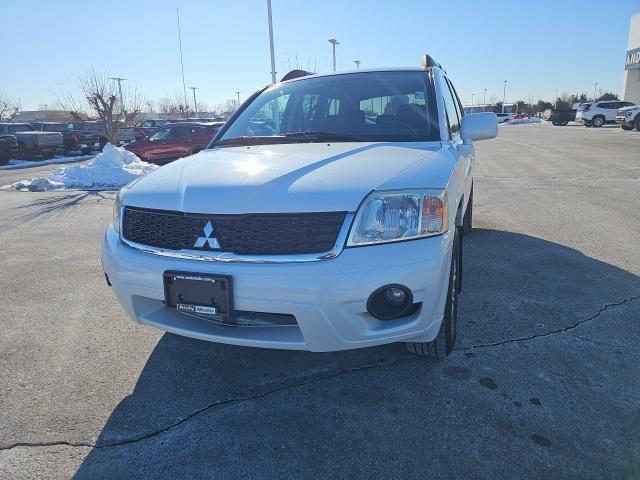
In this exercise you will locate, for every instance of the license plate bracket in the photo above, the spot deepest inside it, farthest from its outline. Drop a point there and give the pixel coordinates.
(199, 293)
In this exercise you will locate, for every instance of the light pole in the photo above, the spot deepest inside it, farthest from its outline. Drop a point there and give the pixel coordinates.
(472, 95)
(334, 42)
(273, 58)
(119, 80)
(357, 62)
(504, 95)
(555, 104)
(195, 105)
(595, 85)
(484, 101)
(238, 95)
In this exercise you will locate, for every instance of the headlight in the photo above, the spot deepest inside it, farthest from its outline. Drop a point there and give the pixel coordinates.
(629, 113)
(399, 215)
(117, 209)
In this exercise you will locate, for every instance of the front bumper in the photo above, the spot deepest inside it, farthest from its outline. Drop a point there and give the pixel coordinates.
(327, 298)
(624, 120)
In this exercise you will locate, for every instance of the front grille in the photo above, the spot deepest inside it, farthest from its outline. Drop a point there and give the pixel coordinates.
(247, 234)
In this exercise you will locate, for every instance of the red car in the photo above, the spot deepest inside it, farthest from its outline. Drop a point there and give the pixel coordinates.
(174, 141)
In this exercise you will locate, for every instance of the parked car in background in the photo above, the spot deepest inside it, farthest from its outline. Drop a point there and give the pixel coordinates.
(74, 139)
(125, 134)
(31, 144)
(597, 114)
(629, 117)
(504, 117)
(560, 116)
(173, 141)
(8, 147)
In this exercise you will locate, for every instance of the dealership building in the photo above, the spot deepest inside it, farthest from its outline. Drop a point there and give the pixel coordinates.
(631, 79)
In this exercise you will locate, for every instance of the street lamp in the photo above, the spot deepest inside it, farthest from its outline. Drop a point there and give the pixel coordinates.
(238, 95)
(594, 91)
(273, 58)
(195, 104)
(484, 101)
(472, 95)
(357, 62)
(555, 105)
(334, 42)
(504, 95)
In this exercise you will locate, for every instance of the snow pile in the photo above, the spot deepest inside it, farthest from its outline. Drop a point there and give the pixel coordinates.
(113, 168)
(521, 121)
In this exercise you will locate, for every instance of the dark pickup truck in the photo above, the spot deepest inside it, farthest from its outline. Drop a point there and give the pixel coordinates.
(560, 117)
(8, 147)
(31, 144)
(73, 137)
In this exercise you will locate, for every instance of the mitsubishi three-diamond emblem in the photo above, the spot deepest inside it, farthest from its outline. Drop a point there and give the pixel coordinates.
(207, 239)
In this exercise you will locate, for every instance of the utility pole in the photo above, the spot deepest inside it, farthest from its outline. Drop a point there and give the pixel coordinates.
(555, 104)
(595, 85)
(195, 105)
(484, 101)
(184, 88)
(119, 80)
(334, 42)
(357, 62)
(504, 95)
(238, 95)
(273, 58)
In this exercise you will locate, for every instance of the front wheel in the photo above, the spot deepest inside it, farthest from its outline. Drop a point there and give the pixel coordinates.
(597, 121)
(636, 123)
(626, 127)
(443, 344)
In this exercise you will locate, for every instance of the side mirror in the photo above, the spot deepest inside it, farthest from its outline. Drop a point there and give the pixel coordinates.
(479, 126)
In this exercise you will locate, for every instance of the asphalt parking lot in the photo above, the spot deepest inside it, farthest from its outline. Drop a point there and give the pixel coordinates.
(545, 382)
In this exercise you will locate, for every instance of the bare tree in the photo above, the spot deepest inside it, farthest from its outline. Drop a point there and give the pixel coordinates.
(174, 106)
(8, 108)
(98, 97)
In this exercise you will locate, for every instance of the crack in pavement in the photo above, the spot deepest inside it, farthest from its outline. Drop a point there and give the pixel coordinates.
(227, 403)
(552, 332)
(218, 403)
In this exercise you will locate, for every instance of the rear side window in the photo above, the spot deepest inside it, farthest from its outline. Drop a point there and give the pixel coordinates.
(453, 119)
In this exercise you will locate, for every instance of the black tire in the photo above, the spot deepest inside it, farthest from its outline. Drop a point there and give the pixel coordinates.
(627, 127)
(636, 123)
(598, 121)
(443, 344)
(555, 123)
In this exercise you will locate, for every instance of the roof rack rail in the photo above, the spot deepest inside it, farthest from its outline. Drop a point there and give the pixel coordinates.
(295, 74)
(428, 61)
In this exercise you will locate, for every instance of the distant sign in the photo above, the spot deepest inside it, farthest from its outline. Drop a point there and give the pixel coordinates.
(633, 59)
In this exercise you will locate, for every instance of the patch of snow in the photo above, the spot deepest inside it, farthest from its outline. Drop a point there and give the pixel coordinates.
(111, 169)
(523, 121)
(17, 164)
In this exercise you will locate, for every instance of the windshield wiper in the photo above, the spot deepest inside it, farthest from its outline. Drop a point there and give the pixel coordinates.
(314, 136)
(248, 140)
(302, 137)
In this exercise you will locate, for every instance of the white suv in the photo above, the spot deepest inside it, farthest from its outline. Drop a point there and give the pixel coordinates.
(596, 114)
(327, 214)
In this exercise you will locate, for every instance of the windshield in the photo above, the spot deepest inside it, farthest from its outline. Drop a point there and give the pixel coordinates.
(366, 107)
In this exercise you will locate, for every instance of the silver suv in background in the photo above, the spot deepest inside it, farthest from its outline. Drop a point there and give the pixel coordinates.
(629, 117)
(596, 114)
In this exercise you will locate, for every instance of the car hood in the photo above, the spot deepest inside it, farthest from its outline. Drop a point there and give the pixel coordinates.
(303, 177)
(631, 107)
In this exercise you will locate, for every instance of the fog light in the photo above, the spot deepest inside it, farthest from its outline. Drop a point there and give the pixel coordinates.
(390, 301)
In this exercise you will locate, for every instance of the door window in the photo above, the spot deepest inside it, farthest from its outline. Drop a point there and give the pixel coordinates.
(453, 119)
(161, 134)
